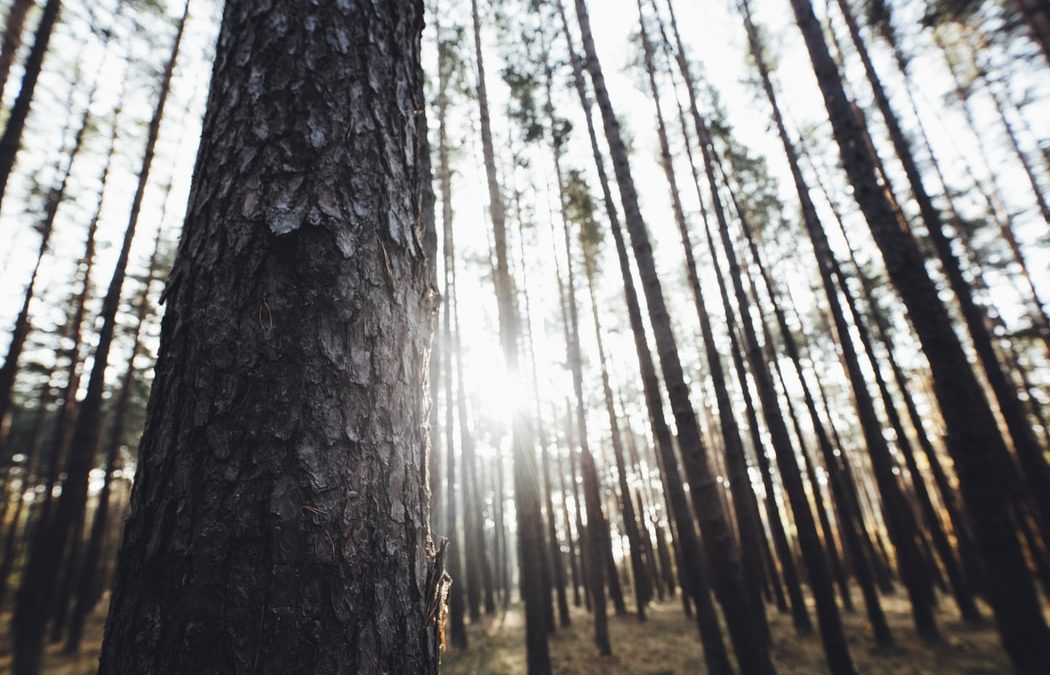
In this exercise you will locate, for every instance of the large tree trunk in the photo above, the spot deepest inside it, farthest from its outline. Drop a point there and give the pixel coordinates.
(279, 521)
(974, 439)
(11, 140)
(527, 491)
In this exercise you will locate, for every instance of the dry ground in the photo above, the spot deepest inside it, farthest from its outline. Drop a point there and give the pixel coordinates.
(667, 644)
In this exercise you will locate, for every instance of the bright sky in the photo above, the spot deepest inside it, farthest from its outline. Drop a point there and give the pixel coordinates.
(712, 31)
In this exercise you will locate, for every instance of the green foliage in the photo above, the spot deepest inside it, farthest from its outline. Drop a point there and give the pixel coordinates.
(580, 210)
(755, 186)
(523, 109)
(452, 70)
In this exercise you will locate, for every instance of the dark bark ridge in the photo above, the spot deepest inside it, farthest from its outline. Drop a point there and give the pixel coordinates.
(279, 519)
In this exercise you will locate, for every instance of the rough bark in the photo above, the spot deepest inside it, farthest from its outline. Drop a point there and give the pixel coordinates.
(279, 518)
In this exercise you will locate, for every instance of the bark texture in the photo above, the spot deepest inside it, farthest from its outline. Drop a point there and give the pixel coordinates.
(279, 520)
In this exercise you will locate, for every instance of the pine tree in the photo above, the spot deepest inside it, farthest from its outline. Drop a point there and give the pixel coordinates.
(526, 486)
(976, 444)
(330, 367)
(11, 140)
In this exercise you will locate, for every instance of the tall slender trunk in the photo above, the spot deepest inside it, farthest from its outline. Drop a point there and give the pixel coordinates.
(88, 588)
(46, 226)
(974, 439)
(48, 546)
(66, 413)
(959, 583)
(527, 491)
(642, 587)
(995, 211)
(11, 140)
(553, 574)
(567, 526)
(1033, 461)
(577, 506)
(12, 38)
(453, 558)
(691, 569)
(959, 520)
(793, 354)
(741, 617)
(846, 512)
(750, 529)
(597, 540)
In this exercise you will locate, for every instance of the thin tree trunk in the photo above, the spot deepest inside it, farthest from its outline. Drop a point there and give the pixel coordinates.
(527, 491)
(48, 546)
(1033, 461)
(741, 618)
(597, 539)
(974, 439)
(452, 349)
(12, 38)
(746, 517)
(568, 534)
(46, 226)
(11, 140)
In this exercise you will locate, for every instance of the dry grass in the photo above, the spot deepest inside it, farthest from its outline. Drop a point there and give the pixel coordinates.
(667, 644)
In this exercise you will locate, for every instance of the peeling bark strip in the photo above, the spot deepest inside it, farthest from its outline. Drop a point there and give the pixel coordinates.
(279, 521)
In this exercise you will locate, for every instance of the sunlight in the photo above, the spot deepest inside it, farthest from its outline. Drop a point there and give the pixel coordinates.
(501, 393)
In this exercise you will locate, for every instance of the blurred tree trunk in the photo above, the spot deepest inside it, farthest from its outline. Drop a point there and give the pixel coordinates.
(974, 439)
(11, 140)
(741, 617)
(48, 549)
(450, 309)
(527, 490)
(12, 37)
(748, 523)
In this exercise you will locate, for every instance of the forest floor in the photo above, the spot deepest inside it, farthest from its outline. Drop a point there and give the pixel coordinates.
(666, 644)
(56, 662)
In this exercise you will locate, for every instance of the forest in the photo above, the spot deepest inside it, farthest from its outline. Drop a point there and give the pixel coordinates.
(524, 336)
